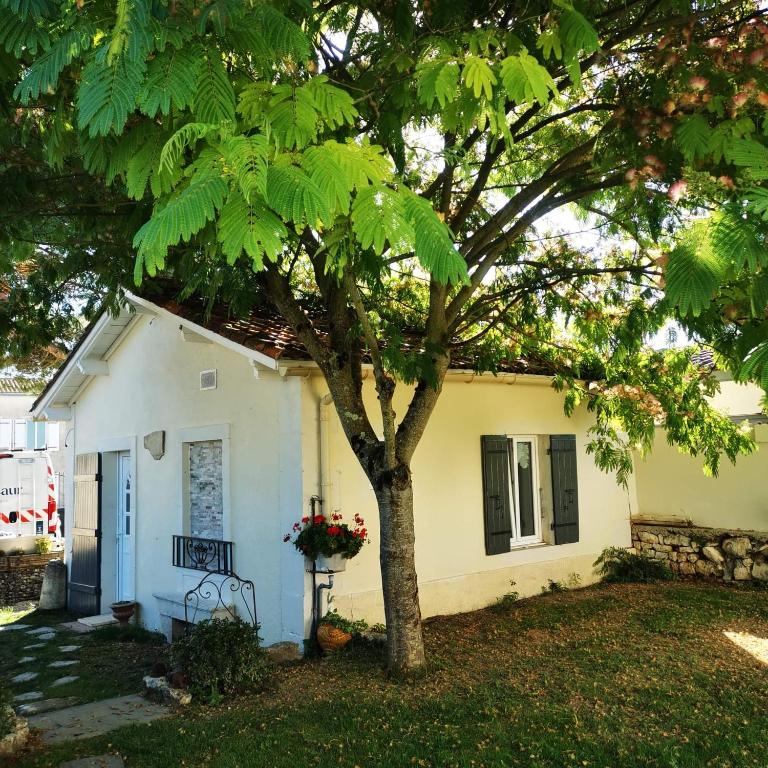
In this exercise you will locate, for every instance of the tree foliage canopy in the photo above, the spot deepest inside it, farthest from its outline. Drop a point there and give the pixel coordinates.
(410, 174)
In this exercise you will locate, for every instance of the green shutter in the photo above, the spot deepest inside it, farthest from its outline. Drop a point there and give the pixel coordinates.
(496, 504)
(565, 488)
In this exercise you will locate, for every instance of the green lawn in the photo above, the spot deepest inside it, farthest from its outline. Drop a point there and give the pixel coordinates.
(608, 676)
(105, 668)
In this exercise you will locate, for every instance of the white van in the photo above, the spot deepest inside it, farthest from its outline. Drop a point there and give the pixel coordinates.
(27, 495)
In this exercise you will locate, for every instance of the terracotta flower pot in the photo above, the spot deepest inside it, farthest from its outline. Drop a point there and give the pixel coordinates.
(331, 638)
(123, 610)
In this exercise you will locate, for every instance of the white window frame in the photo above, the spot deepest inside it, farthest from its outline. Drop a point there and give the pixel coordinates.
(516, 539)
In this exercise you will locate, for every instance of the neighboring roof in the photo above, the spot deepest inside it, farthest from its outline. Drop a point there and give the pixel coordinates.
(19, 385)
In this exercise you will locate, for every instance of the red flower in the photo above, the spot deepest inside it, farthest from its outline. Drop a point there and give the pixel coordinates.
(335, 516)
(305, 520)
(318, 519)
(359, 520)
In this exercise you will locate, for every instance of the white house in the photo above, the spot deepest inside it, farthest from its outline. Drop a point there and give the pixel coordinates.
(241, 434)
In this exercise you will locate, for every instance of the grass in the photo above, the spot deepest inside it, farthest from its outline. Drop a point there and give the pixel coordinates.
(108, 666)
(614, 676)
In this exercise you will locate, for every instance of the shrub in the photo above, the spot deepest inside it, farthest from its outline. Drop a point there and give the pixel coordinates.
(335, 619)
(43, 545)
(220, 657)
(554, 587)
(617, 566)
(507, 600)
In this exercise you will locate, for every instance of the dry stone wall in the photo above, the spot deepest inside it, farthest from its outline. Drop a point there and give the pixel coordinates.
(21, 577)
(706, 552)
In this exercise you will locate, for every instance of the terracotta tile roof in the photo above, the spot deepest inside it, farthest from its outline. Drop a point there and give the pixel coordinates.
(19, 385)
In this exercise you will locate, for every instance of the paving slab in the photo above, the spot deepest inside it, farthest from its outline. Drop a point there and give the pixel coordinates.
(76, 627)
(98, 761)
(64, 680)
(69, 648)
(28, 696)
(47, 636)
(95, 718)
(98, 621)
(40, 631)
(47, 705)
(33, 646)
(63, 663)
(26, 659)
(14, 627)
(24, 677)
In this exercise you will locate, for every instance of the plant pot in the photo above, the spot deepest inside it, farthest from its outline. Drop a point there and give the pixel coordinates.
(123, 610)
(331, 638)
(331, 563)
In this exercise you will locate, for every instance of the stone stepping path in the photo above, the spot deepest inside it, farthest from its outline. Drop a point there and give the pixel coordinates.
(47, 636)
(24, 677)
(41, 631)
(63, 663)
(96, 718)
(26, 659)
(69, 648)
(14, 627)
(98, 761)
(64, 680)
(46, 705)
(28, 696)
(34, 646)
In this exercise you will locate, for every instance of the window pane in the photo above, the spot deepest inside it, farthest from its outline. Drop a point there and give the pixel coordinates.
(525, 487)
(52, 435)
(6, 433)
(20, 435)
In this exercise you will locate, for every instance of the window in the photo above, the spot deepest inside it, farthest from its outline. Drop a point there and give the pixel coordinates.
(26, 435)
(524, 490)
(530, 490)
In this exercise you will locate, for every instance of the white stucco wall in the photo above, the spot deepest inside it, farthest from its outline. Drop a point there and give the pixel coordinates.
(454, 572)
(672, 486)
(153, 384)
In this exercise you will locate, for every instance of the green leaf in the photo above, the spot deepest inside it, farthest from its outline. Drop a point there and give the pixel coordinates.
(292, 117)
(19, 36)
(758, 201)
(437, 80)
(107, 95)
(246, 158)
(131, 35)
(183, 216)
(26, 8)
(186, 136)
(362, 164)
(550, 43)
(250, 227)
(144, 167)
(379, 218)
(335, 106)
(577, 34)
(693, 273)
(693, 136)
(214, 100)
(747, 153)
(43, 75)
(734, 241)
(434, 245)
(324, 169)
(296, 198)
(479, 77)
(525, 80)
(755, 367)
(172, 79)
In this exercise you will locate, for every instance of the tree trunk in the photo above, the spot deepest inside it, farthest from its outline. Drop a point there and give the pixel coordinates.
(405, 643)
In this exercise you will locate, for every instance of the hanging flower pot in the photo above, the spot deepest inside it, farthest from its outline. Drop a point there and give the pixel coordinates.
(329, 543)
(331, 564)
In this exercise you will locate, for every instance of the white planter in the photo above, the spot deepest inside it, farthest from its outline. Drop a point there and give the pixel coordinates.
(332, 564)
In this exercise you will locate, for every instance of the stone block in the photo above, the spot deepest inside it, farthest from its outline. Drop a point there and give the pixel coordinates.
(284, 652)
(760, 571)
(53, 594)
(738, 546)
(676, 540)
(650, 538)
(663, 548)
(713, 554)
(741, 573)
(661, 555)
(154, 442)
(687, 569)
(705, 567)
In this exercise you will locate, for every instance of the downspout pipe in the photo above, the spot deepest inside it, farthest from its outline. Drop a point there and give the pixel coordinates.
(324, 451)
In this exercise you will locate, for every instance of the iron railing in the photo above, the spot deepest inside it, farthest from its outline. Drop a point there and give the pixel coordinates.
(211, 555)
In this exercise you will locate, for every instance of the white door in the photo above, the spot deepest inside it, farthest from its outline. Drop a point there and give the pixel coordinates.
(125, 529)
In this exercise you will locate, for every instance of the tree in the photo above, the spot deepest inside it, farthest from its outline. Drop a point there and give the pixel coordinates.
(392, 178)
